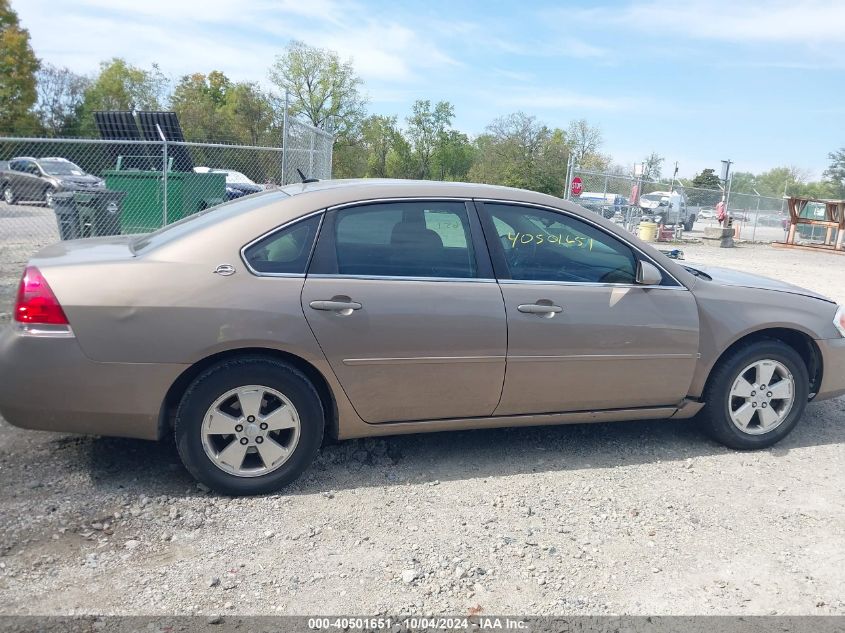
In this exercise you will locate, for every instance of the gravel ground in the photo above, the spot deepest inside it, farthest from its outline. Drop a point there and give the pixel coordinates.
(627, 518)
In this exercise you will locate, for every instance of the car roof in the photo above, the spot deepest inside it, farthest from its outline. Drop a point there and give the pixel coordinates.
(354, 189)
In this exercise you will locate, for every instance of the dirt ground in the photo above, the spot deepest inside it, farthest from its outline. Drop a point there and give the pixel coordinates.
(626, 518)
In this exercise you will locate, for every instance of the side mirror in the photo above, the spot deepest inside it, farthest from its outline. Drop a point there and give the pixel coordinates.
(648, 274)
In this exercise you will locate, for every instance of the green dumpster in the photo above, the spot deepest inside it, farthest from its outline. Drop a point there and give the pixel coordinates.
(143, 206)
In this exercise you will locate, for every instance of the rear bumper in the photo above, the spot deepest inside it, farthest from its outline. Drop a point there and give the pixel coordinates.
(49, 384)
(833, 368)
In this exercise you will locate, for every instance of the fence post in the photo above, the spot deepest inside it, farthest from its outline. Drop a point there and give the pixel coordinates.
(756, 217)
(285, 140)
(311, 155)
(164, 175)
(568, 177)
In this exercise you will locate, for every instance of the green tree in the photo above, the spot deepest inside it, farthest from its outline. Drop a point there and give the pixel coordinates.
(18, 66)
(779, 180)
(60, 98)
(453, 156)
(121, 86)
(322, 88)
(427, 129)
(835, 174)
(199, 102)
(518, 151)
(379, 136)
(252, 117)
(401, 162)
(705, 189)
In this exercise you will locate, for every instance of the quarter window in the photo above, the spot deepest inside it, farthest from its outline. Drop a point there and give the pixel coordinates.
(285, 251)
(405, 239)
(543, 245)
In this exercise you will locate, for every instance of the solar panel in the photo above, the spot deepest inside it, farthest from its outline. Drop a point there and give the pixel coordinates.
(169, 124)
(119, 125)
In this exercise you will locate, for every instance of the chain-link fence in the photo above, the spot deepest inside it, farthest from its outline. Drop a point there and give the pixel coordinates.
(56, 189)
(754, 218)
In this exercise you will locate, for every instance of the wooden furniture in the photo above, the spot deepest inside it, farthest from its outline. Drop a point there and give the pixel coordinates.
(834, 220)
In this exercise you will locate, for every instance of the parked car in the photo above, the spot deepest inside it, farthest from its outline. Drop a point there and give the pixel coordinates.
(37, 179)
(668, 208)
(252, 330)
(706, 214)
(605, 204)
(237, 184)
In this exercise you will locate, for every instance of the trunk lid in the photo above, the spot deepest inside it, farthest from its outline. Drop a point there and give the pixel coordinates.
(85, 251)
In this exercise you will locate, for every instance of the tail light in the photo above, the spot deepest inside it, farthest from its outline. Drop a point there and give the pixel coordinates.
(37, 304)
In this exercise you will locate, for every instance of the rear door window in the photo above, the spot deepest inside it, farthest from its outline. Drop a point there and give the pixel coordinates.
(404, 239)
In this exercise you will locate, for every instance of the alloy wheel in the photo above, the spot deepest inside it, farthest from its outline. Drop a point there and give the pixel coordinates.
(761, 397)
(250, 431)
(8, 195)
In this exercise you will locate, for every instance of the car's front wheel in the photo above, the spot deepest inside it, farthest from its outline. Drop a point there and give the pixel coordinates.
(8, 194)
(48, 196)
(249, 425)
(756, 395)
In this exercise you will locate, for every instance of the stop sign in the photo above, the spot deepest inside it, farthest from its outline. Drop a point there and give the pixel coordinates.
(577, 186)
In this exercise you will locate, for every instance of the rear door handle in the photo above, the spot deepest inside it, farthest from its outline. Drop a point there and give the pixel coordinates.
(341, 307)
(540, 309)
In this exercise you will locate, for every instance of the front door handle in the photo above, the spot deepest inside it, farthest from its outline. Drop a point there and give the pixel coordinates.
(545, 310)
(341, 307)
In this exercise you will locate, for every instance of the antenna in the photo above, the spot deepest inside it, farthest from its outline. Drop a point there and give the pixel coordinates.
(304, 179)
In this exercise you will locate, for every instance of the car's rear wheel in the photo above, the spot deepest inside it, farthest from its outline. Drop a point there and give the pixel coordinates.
(756, 396)
(8, 194)
(249, 425)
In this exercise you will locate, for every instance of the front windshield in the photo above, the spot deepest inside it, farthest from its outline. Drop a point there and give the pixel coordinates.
(61, 168)
(655, 198)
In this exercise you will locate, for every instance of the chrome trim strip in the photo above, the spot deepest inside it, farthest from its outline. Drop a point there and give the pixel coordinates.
(584, 218)
(390, 278)
(423, 360)
(599, 357)
(593, 284)
(42, 330)
(276, 230)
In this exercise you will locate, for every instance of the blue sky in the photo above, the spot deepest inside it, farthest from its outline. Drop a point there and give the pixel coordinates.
(696, 81)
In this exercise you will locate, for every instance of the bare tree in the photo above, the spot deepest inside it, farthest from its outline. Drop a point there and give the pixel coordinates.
(653, 166)
(60, 96)
(584, 140)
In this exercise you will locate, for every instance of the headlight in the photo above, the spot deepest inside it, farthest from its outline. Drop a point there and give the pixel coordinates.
(839, 320)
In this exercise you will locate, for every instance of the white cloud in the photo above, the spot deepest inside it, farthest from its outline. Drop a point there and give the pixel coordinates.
(801, 21)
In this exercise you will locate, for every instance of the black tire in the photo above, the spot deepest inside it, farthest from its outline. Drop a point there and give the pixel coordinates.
(9, 196)
(689, 224)
(230, 374)
(48, 197)
(716, 413)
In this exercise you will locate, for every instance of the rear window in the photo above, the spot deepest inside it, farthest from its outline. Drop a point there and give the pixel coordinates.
(205, 218)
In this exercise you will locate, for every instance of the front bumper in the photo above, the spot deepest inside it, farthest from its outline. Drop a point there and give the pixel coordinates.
(49, 384)
(833, 368)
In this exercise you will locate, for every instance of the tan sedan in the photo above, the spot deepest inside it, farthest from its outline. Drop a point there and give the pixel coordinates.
(361, 308)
